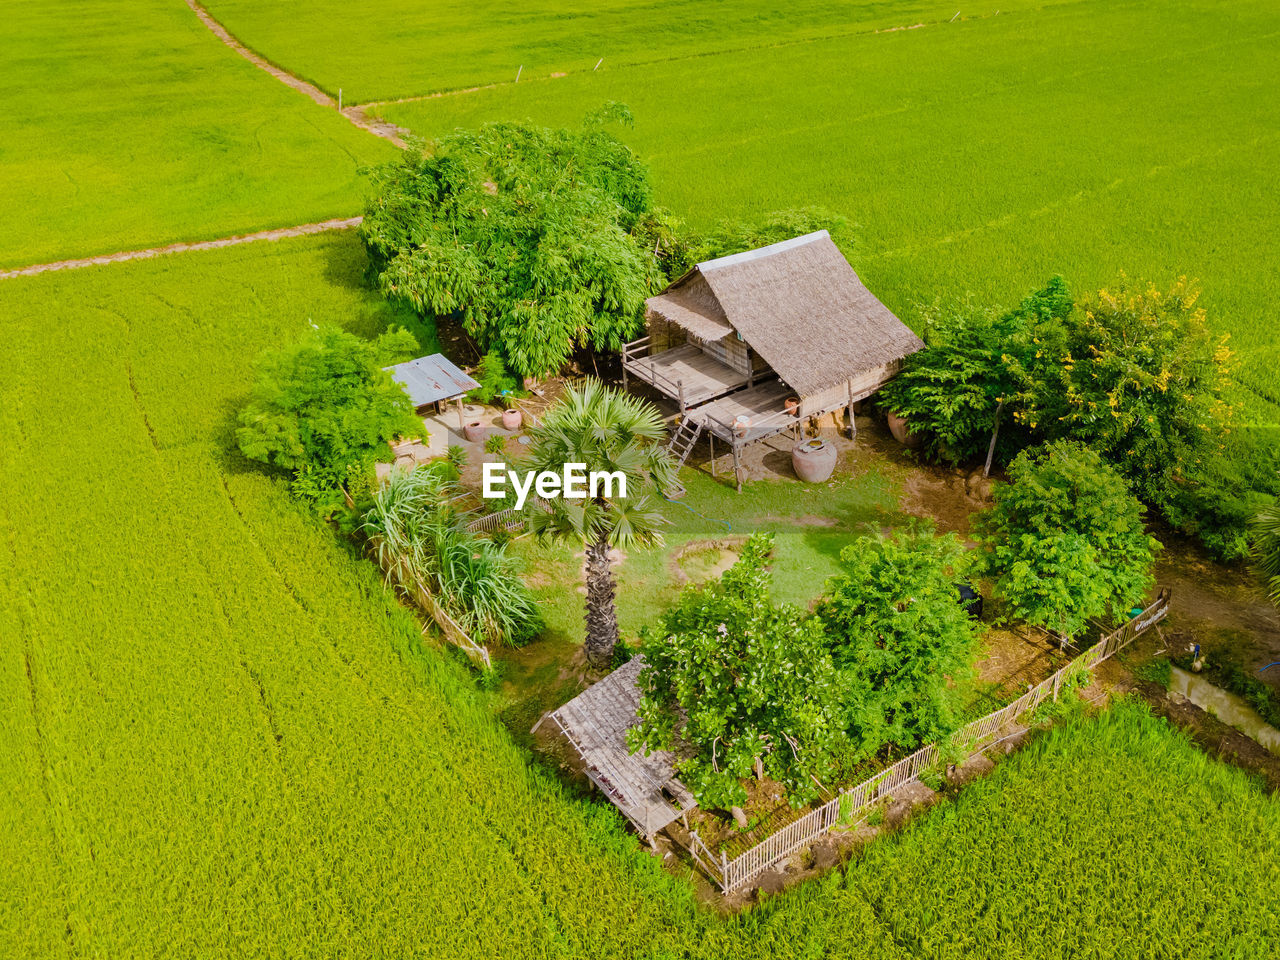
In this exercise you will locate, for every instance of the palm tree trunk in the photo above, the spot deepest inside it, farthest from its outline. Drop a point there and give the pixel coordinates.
(602, 614)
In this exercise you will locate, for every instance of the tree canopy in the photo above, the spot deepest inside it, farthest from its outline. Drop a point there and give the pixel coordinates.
(1065, 540)
(900, 637)
(539, 239)
(740, 679)
(324, 409)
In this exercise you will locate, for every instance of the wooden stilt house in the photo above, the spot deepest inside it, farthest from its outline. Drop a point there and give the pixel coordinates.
(735, 339)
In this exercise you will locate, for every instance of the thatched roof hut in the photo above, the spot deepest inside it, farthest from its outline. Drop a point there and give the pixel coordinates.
(798, 305)
(792, 314)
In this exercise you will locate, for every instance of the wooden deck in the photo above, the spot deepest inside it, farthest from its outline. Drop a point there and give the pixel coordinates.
(596, 722)
(685, 374)
(764, 405)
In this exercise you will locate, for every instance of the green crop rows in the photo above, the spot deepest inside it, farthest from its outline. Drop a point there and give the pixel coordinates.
(981, 156)
(403, 48)
(130, 125)
(221, 738)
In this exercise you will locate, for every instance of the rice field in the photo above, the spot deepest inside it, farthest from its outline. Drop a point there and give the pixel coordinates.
(220, 737)
(981, 156)
(399, 48)
(130, 126)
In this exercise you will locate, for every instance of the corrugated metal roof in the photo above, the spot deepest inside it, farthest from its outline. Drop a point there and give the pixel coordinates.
(429, 379)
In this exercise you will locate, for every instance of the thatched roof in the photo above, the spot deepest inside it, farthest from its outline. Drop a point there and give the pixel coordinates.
(798, 304)
(642, 785)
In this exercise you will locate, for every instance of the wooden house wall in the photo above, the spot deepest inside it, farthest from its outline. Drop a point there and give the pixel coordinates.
(863, 385)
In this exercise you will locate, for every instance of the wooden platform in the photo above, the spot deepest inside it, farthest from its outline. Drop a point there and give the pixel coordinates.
(596, 722)
(685, 374)
(764, 404)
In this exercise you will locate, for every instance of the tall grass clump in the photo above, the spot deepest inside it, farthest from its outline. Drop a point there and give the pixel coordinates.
(415, 533)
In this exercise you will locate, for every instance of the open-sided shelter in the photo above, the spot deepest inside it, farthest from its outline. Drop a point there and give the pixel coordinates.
(432, 382)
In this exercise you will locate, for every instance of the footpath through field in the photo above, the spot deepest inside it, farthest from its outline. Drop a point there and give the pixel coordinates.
(281, 233)
(379, 128)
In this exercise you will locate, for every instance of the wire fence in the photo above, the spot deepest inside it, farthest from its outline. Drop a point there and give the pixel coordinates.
(850, 805)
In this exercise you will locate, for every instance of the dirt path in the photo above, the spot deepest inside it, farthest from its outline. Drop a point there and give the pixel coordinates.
(379, 128)
(280, 234)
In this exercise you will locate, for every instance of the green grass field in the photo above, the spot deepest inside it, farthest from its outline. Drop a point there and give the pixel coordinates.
(130, 125)
(982, 156)
(221, 738)
(400, 48)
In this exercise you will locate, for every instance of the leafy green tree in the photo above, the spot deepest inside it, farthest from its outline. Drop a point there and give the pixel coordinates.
(746, 684)
(900, 638)
(540, 240)
(1136, 374)
(1266, 548)
(324, 409)
(612, 432)
(962, 385)
(1065, 539)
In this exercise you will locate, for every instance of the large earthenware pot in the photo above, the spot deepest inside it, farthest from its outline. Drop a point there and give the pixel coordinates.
(792, 406)
(902, 432)
(511, 419)
(476, 431)
(814, 460)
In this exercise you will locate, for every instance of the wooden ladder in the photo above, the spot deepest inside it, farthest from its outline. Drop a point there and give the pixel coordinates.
(679, 447)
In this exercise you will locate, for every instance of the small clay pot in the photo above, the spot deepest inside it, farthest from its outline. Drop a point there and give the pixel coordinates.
(792, 406)
(475, 431)
(741, 425)
(511, 419)
(814, 460)
(902, 432)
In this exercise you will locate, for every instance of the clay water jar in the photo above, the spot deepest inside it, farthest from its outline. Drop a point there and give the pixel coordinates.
(511, 419)
(475, 431)
(814, 460)
(792, 406)
(902, 432)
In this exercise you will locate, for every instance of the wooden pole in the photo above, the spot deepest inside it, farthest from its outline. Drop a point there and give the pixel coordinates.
(711, 439)
(624, 366)
(680, 390)
(737, 466)
(853, 424)
(995, 432)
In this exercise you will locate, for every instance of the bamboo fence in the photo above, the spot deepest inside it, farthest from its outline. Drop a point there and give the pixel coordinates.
(849, 805)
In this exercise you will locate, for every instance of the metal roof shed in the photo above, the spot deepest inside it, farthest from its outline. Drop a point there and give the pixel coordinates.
(432, 379)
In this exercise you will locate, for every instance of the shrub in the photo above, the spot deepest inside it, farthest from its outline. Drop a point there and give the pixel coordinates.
(325, 410)
(495, 382)
(900, 637)
(416, 535)
(1065, 539)
(740, 680)
(1266, 548)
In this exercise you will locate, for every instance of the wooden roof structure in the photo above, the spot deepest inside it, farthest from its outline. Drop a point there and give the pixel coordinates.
(643, 786)
(798, 304)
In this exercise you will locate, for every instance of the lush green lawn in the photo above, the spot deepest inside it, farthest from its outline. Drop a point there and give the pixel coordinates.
(219, 737)
(131, 125)
(401, 48)
(982, 156)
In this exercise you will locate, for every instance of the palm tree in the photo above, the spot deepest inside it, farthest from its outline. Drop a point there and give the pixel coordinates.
(1266, 549)
(605, 430)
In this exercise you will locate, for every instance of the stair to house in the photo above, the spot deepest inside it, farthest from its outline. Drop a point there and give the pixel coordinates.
(679, 447)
